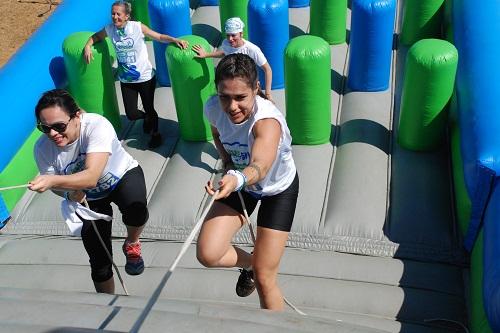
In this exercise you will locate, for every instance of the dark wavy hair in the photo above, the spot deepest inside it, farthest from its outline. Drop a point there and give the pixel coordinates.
(238, 65)
(57, 97)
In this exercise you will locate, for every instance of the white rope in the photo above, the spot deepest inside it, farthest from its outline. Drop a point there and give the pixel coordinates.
(13, 187)
(110, 257)
(252, 234)
(156, 294)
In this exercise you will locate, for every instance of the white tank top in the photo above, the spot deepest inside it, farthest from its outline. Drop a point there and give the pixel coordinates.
(238, 139)
(131, 52)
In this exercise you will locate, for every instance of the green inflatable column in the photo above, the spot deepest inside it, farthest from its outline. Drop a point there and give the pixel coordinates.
(448, 21)
(421, 19)
(233, 8)
(308, 90)
(478, 320)
(140, 11)
(92, 85)
(192, 84)
(430, 71)
(328, 20)
(20, 170)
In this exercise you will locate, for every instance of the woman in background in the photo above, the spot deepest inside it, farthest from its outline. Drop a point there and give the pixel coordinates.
(135, 71)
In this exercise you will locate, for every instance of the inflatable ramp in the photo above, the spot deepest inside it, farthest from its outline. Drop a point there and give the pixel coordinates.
(373, 247)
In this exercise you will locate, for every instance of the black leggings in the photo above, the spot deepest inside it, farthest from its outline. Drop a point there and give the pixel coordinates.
(130, 197)
(275, 212)
(146, 89)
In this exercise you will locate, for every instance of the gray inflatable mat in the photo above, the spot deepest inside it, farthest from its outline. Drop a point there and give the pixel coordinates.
(360, 195)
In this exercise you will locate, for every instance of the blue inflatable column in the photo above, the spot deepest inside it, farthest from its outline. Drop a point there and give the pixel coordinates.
(372, 26)
(268, 29)
(169, 17)
(298, 3)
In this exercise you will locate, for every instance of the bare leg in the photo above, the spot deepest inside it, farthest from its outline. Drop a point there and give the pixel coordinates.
(214, 247)
(107, 286)
(268, 251)
(133, 233)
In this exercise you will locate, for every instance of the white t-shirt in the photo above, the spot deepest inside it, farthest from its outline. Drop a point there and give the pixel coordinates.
(131, 52)
(97, 135)
(248, 48)
(238, 139)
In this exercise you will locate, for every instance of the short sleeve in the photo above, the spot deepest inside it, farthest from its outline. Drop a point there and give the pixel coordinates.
(99, 136)
(259, 57)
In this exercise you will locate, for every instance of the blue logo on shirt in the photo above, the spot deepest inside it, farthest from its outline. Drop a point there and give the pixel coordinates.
(239, 154)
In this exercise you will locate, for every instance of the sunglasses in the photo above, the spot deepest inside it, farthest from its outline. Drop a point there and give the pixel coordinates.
(58, 127)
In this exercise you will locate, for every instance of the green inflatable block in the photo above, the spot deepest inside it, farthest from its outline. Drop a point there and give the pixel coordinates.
(233, 8)
(328, 20)
(308, 90)
(430, 70)
(478, 320)
(20, 170)
(92, 85)
(462, 200)
(421, 19)
(140, 11)
(448, 21)
(192, 82)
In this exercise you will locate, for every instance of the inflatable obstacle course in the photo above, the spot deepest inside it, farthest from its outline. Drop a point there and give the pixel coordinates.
(354, 199)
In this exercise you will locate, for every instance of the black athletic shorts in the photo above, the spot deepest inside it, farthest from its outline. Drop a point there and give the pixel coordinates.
(275, 212)
(130, 197)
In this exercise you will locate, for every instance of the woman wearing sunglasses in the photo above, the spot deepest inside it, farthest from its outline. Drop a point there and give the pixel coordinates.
(135, 71)
(80, 157)
(235, 43)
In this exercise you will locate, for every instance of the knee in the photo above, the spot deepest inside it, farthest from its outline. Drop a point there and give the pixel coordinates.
(135, 214)
(265, 278)
(101, 273)
(206, 257)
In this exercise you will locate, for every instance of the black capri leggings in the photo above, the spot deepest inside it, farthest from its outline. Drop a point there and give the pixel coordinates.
(130, 197)
(146, 89)
(275, 212)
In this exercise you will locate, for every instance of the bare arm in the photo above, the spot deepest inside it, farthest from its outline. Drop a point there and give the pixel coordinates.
(95, 38)
(163, 38)
(267, 134)
(85, 179)
(269, 80)
(201, 53)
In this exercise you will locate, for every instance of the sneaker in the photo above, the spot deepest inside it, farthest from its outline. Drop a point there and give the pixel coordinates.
(245, 285)
(155, 141)
(132, 251)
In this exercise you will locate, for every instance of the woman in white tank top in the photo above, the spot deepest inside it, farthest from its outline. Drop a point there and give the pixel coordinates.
(254, 143)
(135, 71)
